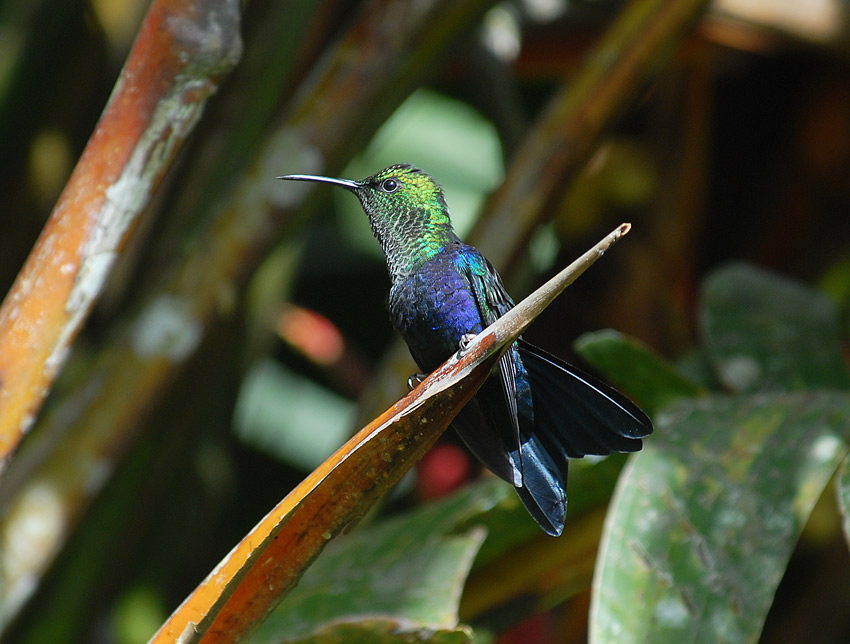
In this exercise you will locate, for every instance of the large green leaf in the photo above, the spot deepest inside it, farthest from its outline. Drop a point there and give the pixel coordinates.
(704, 519)
(397, 581)
(763, 332)
(634, 367)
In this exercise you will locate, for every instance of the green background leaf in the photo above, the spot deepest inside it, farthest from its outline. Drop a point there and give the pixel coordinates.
(704, 519)
(764, 332)
(398, 579)
(631, 365)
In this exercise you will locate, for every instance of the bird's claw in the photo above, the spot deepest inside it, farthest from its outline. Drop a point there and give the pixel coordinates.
(465, 340)
(414, 380)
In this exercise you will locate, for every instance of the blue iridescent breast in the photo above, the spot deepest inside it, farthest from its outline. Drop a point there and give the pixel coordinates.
(433, 307)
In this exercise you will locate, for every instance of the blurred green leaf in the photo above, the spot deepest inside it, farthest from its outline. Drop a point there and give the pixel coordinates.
(763, 332)
(696, 366)
(397, 581)
(289, 416)
(632, 366)
(704, 519)
(457, 145)
(373, 630)
(835, 280)
(138, 613)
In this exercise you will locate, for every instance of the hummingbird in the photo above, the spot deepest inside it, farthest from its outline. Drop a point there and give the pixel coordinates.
(534, 411)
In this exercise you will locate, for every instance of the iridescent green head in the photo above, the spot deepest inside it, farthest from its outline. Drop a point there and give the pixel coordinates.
(407, 211)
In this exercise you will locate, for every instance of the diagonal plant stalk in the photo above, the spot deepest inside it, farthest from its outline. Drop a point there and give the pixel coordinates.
(630, 52)
(253, 578)
(282, 40)
(173, 68)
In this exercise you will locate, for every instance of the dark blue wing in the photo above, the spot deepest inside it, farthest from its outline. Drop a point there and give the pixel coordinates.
(497, 408)
(577, 414)
(542, 482)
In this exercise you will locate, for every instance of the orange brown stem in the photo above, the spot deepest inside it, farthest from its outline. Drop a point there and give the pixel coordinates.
(174, 66)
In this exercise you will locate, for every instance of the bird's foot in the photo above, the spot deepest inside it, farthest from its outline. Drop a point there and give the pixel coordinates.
(414, 380)
(465, 340)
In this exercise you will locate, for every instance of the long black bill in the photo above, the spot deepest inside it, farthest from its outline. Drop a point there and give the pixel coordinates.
(345, 183)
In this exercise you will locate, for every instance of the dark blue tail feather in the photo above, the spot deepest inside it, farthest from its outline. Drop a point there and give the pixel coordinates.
(575, 415)
(580, 411)
(544, 489)
(571, 414)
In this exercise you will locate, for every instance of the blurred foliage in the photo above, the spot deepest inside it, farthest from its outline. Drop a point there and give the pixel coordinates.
(738, 149)
(408, 571)
(705, 518)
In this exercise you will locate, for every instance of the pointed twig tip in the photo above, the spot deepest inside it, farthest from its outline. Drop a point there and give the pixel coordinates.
(624, 228)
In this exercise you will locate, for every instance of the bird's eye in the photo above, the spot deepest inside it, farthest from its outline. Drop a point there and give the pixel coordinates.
(389, 185)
